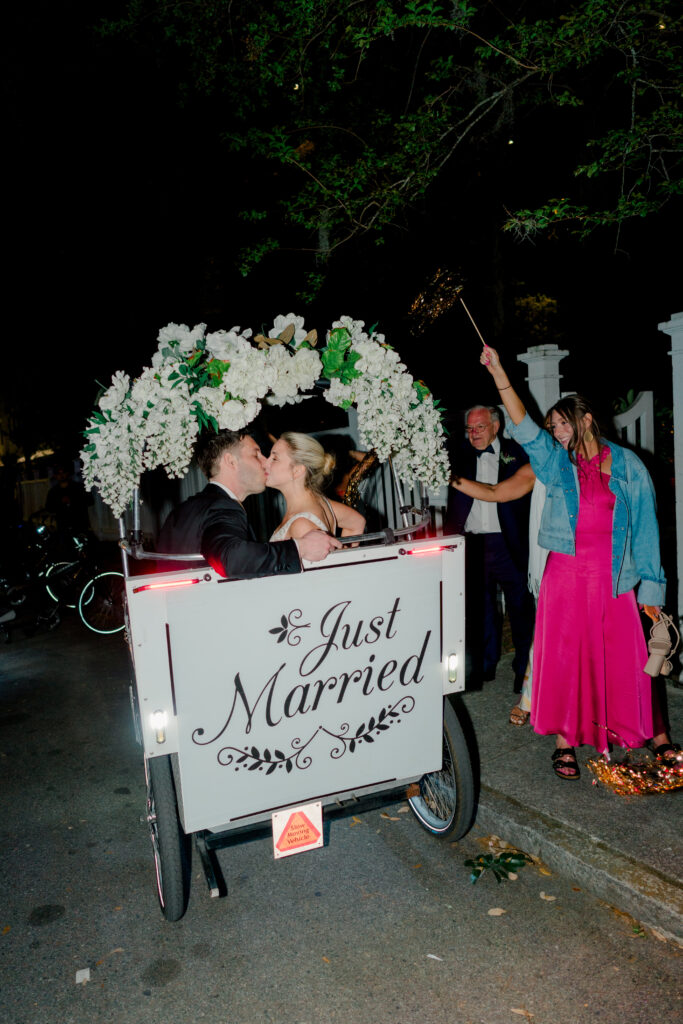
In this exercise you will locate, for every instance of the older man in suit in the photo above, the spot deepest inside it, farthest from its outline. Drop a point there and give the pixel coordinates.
(214, 522)
(497, 549)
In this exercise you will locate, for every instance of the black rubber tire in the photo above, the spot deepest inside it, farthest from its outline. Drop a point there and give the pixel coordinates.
(172, 848)
(445, 805)
(100, 605)
(63, 582)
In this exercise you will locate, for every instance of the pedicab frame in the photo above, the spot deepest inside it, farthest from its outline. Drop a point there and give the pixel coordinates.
(233, 724)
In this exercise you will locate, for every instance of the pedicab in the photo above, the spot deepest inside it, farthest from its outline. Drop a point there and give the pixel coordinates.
(284, 699)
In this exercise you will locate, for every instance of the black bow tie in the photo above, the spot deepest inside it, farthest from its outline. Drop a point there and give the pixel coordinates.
(489, 448)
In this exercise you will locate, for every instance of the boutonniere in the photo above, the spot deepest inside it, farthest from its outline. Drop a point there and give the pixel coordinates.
(507, 459)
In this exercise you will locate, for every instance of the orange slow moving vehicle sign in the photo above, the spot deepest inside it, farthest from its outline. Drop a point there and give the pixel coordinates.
(297, 830)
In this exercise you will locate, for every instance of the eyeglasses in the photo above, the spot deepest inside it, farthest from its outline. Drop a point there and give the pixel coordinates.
(476, 430)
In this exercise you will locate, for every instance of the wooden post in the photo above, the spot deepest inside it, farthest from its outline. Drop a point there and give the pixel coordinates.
(674, 328)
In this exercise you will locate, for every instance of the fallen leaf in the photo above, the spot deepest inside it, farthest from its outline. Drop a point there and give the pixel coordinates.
(496, 912)
(7, 928)
(575, 888)
(388, 817)
(326, 960)
(354, 821)
(659, 935)
(550, 899)
(432, 956)
(521, 1012)
(404, 810)
(417, 865)
(544, 871)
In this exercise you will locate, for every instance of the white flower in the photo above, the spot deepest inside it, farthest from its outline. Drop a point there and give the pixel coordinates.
(224, 345)
(155, 421)
(114, 395)
(284, 321)
(179, 337)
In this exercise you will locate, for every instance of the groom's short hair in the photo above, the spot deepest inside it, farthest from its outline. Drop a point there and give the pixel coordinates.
(211, 447)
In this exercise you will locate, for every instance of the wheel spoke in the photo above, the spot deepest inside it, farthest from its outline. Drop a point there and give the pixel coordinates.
(445, 802)
(100, 605)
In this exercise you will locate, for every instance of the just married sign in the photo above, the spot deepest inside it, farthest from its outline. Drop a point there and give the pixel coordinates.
(296, 688)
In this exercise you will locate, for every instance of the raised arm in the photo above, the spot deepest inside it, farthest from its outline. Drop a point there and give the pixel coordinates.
(508, 396)
(516, 486)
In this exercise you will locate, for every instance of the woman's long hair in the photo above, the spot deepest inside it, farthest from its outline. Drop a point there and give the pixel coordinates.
(308, 452)
(573, 408)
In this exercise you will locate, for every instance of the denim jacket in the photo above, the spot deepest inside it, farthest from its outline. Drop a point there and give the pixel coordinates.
(635, 533)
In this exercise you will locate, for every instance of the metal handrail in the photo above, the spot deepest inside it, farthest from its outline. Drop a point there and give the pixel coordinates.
(134, 549)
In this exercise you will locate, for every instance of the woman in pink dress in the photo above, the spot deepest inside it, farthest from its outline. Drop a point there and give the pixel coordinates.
(599, 524)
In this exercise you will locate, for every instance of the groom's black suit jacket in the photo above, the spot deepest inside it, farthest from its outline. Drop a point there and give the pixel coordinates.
(216, 525)
(512, 515)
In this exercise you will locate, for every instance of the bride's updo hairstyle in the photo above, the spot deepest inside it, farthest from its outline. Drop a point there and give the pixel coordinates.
(573, 408)
(308, 452)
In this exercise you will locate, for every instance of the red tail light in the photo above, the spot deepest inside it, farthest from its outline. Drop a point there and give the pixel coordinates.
(165, 586)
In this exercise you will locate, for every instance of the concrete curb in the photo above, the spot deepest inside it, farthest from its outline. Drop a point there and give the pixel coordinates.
(648, 895)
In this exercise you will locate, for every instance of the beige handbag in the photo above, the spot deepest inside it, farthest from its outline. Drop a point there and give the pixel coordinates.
(663, 643)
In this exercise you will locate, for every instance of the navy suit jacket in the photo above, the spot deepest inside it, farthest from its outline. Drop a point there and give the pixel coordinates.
(512, 515)
(216, 525)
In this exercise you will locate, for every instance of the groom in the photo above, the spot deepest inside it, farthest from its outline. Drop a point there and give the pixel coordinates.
(496, 549)
(214, 522)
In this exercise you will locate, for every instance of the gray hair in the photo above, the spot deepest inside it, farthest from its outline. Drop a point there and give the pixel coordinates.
(496, 414)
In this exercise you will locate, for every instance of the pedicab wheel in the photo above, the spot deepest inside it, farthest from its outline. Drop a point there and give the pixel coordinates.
(445, 803)
(100, 605)
(172, 849)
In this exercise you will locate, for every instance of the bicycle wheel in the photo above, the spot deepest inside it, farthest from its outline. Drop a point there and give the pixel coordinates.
(63, 582)
(445, 804)
(172, 848)
(100, 605)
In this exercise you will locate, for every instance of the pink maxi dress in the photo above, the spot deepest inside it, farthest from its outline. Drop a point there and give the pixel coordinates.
(589, 648)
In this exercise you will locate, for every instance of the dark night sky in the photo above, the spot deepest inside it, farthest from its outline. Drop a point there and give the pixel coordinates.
(120, 220)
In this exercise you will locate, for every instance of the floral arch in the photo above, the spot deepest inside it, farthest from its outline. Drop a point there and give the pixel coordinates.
(220, 380)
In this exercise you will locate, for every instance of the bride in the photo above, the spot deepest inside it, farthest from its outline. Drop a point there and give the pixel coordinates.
(299, 467)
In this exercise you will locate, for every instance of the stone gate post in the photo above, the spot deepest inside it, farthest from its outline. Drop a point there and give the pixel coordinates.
(544, 373)
(674, 328)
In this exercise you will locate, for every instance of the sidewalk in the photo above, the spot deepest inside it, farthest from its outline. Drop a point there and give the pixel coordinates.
(625, 850)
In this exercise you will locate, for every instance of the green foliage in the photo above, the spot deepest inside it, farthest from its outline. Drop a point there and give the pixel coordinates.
(501, 867)
(357, 107)
(337, 359)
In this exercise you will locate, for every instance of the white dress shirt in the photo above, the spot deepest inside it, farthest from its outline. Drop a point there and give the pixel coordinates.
(483, 517)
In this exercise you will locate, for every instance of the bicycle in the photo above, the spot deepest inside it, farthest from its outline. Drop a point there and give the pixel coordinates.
(79, 583)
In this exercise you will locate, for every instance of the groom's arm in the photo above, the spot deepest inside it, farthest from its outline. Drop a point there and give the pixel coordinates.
(228, 549)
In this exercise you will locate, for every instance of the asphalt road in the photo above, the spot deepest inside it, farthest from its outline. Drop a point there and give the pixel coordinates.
(382, 925)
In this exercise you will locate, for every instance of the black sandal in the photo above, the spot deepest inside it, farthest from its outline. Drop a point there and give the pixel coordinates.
(666, 748)
(571, 766)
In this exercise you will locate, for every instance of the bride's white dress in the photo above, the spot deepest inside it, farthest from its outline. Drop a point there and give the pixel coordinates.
(282, 531)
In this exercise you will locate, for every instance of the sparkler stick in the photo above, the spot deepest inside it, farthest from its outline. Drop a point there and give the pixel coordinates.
(481, 338)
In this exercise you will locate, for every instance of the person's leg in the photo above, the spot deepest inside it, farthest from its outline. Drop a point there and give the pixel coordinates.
(474, 609)
(492, 624)
(520, 607)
